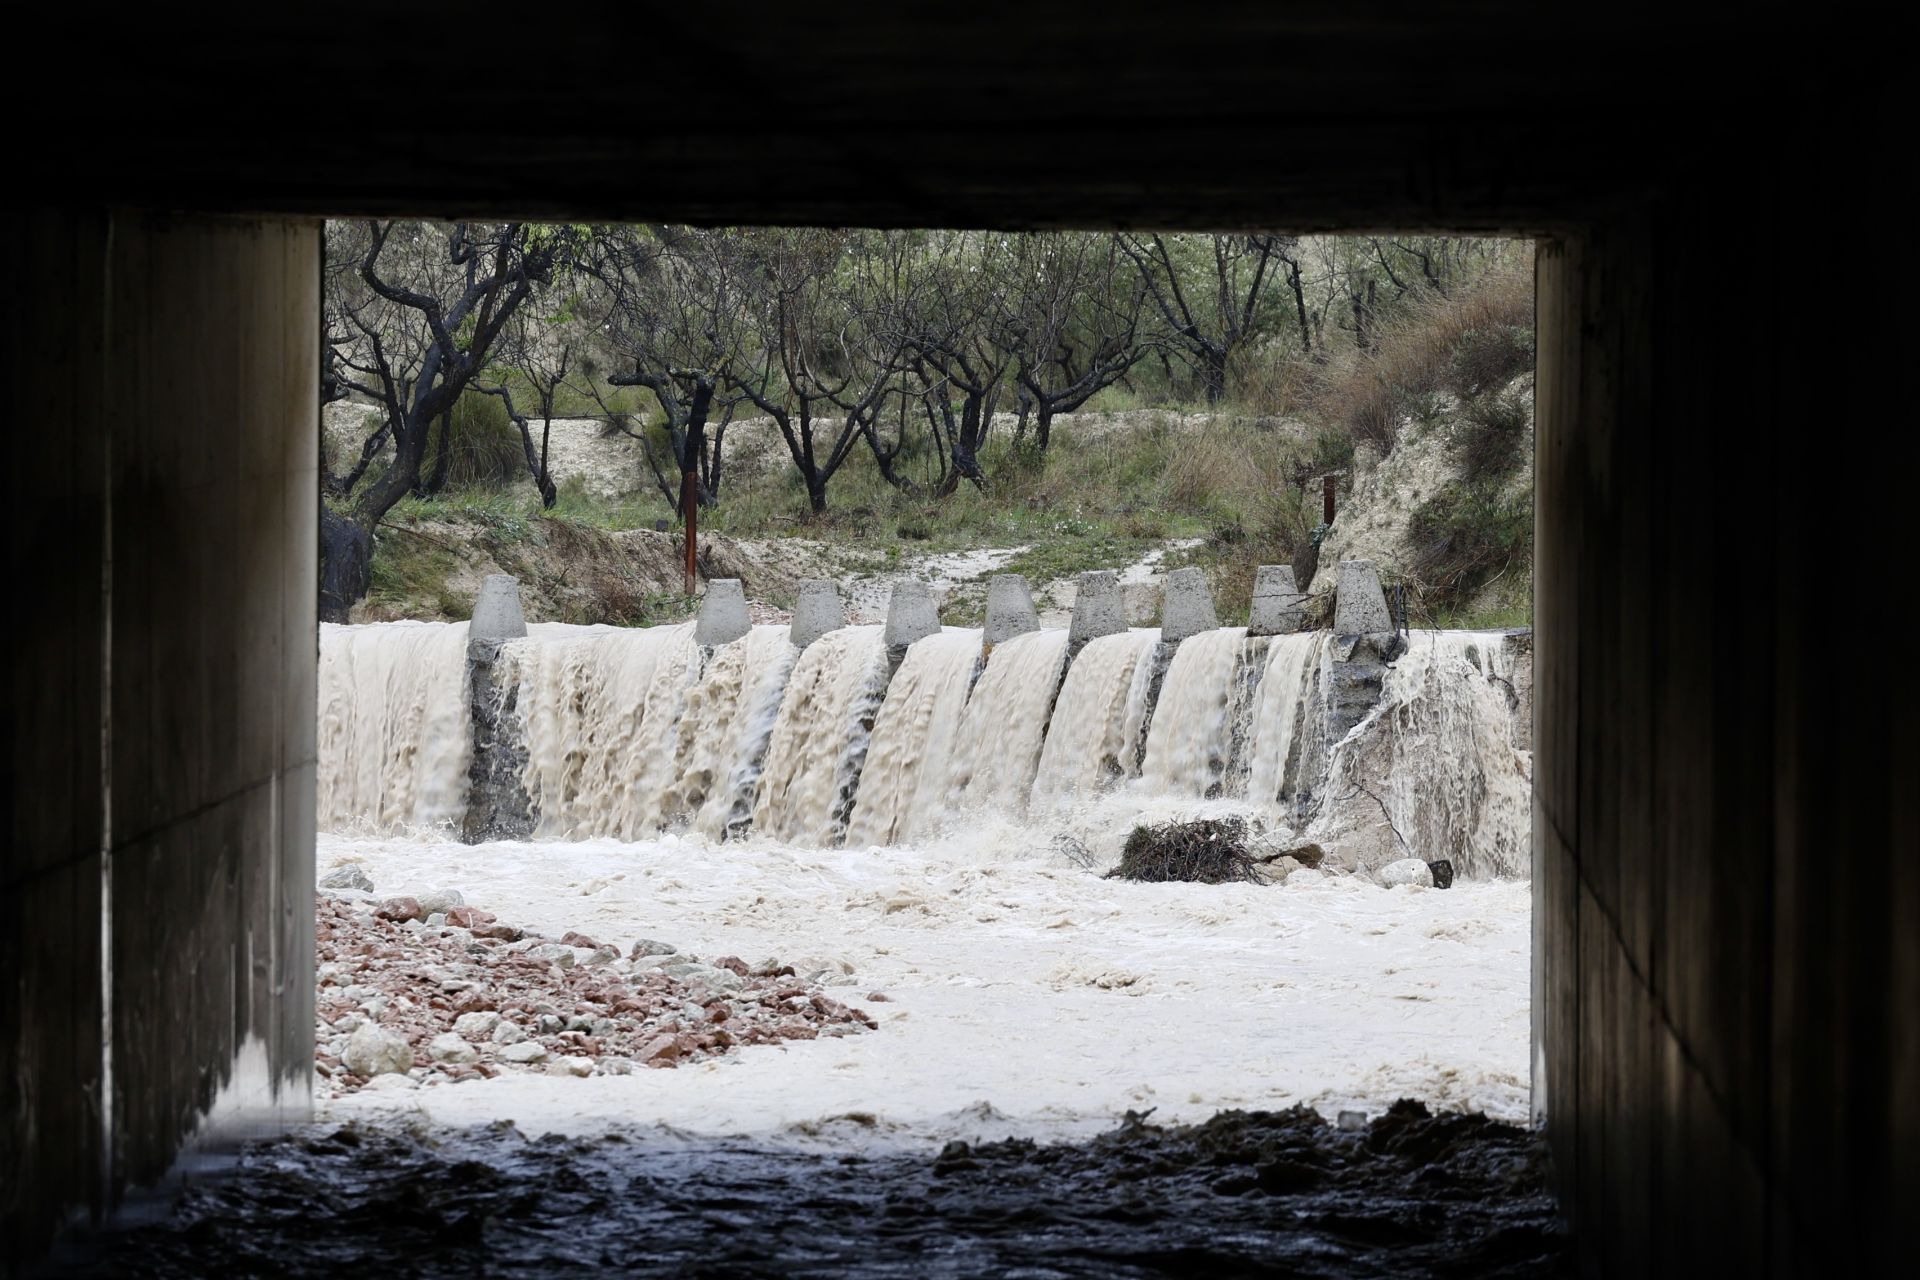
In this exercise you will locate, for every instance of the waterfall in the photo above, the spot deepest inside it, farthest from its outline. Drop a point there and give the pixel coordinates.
(819, 742)
(1285, 732)
(392, 737)
(1437, 755)
(904, 783)
(1005, 723)
(1191, 738)
(1094, 739)
(723, 732)
(600, 710)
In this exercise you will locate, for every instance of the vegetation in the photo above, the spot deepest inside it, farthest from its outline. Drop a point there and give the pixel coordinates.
(889, 367)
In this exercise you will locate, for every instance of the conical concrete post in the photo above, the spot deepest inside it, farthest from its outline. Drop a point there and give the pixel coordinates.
(723, 614)
(1279, 608)
(816, 611)
(1010, 610)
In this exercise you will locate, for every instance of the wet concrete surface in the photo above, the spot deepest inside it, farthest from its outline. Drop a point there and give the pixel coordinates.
(1243, 1194)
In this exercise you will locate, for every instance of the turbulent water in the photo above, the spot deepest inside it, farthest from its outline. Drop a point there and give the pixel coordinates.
(1437, 756)
(903, 786)
(1094, 741)
(629, 732)
(392, 733)
(1004, 727)
(1189, 744)
(819, 743)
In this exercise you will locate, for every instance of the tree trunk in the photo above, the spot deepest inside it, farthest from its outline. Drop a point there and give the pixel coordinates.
(346, 564)
(1216, 373)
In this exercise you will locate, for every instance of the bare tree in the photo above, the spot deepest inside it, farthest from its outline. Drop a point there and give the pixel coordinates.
(1069, 318)
(946, 326)
(412, 314)
(822, 371)
(674, 307)
(1210, 291)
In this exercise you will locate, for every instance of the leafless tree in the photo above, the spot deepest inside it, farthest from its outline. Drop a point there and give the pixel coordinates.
(413, 312)
(1210, 291)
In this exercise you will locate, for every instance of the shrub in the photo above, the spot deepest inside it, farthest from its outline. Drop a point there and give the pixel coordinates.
(482, 444)
(1489, 432)
(1205, 851)
(1463, 536)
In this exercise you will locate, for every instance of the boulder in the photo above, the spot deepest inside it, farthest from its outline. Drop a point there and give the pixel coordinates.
(347, 876)
(373, 1051)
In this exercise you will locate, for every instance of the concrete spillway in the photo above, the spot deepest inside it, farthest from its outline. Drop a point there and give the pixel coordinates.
(877, 736)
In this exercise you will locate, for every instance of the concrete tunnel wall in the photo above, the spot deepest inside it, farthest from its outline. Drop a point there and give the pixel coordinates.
(156, 943)
(1726, 981)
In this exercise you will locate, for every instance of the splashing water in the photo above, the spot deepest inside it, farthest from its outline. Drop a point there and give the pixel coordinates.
(1191, 735)
(600, 710)
(723, 733)
(1094, 741)
(904, 782)
(1437, 756)
(393, 736)
(1005, 724)
(819, 742)
(1283, 736)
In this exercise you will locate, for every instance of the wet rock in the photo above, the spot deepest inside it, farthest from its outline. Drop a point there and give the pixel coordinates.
(573, 938)
(373, 1051)
(572, 1065)
(1406, 871)
(347, 876)
(649, 947)
(441, 901)
(554, 953)
(477, 1026)
(1442, 873)
(1308, 855)
(400, 909)
(469, 917)
(524, 1052)
(450, 1046)
(616, 1066)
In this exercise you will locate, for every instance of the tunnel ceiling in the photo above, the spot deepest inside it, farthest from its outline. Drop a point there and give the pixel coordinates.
(1490, 116)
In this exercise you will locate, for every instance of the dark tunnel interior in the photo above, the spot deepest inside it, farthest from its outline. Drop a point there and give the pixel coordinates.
(1726, 979)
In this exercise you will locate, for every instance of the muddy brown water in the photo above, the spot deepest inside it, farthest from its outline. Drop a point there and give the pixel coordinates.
(1243, 1194)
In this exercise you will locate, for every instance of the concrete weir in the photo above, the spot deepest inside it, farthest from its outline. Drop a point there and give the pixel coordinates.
(1098, 609)
(910, 614)
(497, 804)
(723, 614)
(1010, 610)
(1279, 606)
(816, 611)
(1364, 642)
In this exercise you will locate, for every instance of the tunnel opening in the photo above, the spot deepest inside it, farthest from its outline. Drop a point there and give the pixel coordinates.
(1721, 999)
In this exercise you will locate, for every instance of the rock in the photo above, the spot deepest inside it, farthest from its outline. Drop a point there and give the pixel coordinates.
(1308, 855)
(573, 938)
(400, 909)
(508, 1033)
(1406, 871)
(1306, 875)
(616, 1066)
(1442, 873)
(525, 1052)
(374, 1051)
(706, 975)
(469, 917)
(554, 953)
(661, 1051)
(1351, 1121)
(571, 1066)
(552, 1024)
(603, 955)
(477, 1026)
(451, 1047)
(347, 876)
(648, 947)
(441, 901)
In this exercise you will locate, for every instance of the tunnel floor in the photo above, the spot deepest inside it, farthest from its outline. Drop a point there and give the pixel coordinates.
(1280, 1193)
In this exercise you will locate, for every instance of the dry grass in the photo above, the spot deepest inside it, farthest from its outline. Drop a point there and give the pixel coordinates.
(1460, 344)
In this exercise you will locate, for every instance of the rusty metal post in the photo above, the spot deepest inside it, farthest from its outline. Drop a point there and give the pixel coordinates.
(1327, 485)
(690, 517)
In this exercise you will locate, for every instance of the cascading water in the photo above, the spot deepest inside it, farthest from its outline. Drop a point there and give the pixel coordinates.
(392, 737)
(628, 731)
(1436, 759)
(722, 737)
(1004, 727)
(1286, 736)
(1094, 740)
(1191, 737)
(819, 743)
(904, 782)
(600, 711)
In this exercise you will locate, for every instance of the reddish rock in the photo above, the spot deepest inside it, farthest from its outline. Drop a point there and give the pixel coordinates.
(735, 964)
(661, 1051)
(573, 939)
(469, 917)
(879, 997)
(400, 909)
